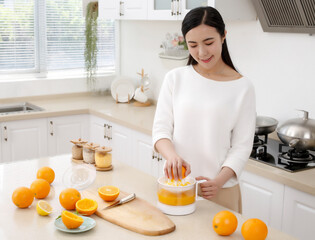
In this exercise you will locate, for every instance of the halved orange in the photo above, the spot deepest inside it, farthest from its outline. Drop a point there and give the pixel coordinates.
(71, 220)
(108, 193)
(86, 206)
(183, 173)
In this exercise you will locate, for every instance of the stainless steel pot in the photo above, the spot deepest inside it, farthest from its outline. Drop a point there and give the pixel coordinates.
(265, 125)
(298, 133)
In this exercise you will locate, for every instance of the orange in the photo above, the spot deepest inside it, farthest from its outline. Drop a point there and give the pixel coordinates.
(183, 173)
(108, 193)
(22, 197)
(46, 173)
(254, 229)
(86, 206)
(40, 188)
(68, 198)
(224, 223)
(71, 220)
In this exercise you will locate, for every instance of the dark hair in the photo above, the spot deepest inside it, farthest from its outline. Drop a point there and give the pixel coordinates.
(211, 17)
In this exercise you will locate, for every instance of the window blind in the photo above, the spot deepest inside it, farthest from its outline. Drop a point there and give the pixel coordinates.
(49, 35)
(17, 37)
(66, 39)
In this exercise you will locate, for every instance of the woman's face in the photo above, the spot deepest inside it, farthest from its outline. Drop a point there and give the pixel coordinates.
(205, 46)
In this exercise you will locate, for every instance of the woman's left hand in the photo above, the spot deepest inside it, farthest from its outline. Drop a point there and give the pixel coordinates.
(209, 188)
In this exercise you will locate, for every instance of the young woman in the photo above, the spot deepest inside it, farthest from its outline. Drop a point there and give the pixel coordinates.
(205, 116)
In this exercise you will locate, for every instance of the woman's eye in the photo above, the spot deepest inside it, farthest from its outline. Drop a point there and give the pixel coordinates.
(193, 46)
(209, 43)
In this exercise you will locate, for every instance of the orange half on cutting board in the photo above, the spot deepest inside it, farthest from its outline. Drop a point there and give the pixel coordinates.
(108, 193)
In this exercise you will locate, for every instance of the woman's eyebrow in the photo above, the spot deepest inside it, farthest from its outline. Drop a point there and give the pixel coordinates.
(207, 39)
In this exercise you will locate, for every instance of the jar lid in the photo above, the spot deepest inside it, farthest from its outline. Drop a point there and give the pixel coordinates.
(91, 145)
(79, 142)
(103, 149)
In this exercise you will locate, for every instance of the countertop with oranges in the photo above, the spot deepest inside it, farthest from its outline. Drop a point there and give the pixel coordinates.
(25, 223)
(140, 119)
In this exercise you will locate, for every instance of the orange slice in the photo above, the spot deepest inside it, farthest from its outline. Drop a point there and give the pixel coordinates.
(86, 206)
(71, 220)
(108, 193)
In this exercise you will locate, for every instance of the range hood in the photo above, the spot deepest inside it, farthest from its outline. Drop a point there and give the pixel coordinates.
(295, 16)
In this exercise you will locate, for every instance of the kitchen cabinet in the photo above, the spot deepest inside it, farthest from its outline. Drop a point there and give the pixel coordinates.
(112, 135)
(262, 198)
(173, 9)
(100, 131)
(298, 214)
(121, 138)
(146, 159)
(26, 139)
(63, 129)
(123, 9)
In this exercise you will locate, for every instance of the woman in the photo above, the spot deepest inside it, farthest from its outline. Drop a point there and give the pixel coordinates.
(205, 116)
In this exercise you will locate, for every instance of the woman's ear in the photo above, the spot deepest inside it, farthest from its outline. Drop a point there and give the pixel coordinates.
(223, 38)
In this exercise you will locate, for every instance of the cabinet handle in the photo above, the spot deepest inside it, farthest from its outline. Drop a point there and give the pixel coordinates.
(122, 8)
(51, 128)
(5, 134)
(153, 155)
(159, 157)
(110, 132)
(105, 132)
(179, 8)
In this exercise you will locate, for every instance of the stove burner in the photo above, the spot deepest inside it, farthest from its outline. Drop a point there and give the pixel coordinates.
(259, 142)
(277, 154)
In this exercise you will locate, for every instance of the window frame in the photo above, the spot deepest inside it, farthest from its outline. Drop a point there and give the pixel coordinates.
(40, 71)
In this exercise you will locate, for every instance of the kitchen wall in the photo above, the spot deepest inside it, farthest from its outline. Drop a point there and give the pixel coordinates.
(280, 65)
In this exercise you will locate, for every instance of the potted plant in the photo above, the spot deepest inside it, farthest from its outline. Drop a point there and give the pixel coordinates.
(90, 52)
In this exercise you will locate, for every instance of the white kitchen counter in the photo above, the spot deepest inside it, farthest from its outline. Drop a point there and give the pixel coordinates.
(18, 223)
(140, 119)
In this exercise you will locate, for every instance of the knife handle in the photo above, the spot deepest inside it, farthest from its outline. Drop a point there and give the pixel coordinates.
(128, 198)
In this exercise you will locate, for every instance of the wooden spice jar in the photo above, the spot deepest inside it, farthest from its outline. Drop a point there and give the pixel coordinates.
(89, 152)
(103, 157)
(77, 149)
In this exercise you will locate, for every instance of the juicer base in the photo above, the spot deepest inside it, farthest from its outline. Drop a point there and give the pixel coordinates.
(176, 210)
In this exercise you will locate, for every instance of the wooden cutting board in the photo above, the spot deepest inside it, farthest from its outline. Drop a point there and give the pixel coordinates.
(137, 215)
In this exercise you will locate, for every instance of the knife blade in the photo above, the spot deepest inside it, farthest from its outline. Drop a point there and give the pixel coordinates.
(121, 201)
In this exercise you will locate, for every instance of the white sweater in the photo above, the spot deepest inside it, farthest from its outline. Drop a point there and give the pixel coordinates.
(211, 123)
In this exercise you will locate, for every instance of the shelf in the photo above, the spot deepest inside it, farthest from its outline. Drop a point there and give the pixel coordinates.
(180, 57)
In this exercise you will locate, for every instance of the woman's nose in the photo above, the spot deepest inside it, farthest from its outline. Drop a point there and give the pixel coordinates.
(203, 51)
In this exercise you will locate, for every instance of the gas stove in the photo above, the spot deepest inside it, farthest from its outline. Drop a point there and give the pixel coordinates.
(277, 154)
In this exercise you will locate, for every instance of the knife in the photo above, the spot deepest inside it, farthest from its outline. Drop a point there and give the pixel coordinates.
(122, 201)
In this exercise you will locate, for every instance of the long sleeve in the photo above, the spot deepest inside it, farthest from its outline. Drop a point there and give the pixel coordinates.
(242, 134)
(164, 120)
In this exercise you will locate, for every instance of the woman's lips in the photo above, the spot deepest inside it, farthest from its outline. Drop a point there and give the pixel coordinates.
(206, 60)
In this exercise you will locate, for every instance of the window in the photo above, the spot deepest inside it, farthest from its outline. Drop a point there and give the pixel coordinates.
(48, 35)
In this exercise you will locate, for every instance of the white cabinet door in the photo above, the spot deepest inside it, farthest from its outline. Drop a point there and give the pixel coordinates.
(187, 5)
(123, 9)
(162, 10)
(298, 214)
(24, 139)
(262, 198)
(121, 138)
(108, 9)
(174, 9)
(146, 159)
(66, 128)
(133, 9)
(99, 131)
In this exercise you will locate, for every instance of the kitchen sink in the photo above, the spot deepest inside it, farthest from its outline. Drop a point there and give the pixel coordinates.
(23, 107)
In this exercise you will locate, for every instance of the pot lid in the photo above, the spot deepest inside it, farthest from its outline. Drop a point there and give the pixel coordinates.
(91, 146)
(303, 128)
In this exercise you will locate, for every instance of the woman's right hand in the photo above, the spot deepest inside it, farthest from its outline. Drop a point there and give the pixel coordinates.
(175, 164)
(173, 161)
